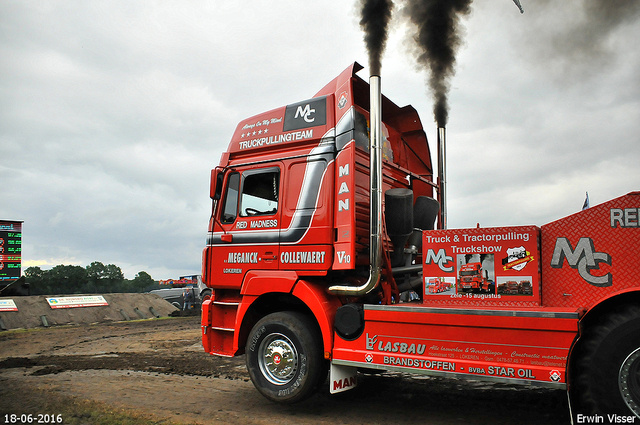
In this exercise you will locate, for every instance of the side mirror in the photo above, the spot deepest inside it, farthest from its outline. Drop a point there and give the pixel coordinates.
(215, 191)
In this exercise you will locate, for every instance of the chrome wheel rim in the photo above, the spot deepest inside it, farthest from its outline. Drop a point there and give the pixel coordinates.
(278, 359)
(629, 381)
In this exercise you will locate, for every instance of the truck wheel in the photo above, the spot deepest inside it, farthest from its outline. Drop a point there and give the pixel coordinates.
(205, 295)
(284, 357)
(608, 371)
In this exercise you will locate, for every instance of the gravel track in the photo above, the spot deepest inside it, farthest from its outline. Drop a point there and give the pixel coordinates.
(158, 368)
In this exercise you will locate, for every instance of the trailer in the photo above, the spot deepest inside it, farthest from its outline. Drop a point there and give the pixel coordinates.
(324, 215)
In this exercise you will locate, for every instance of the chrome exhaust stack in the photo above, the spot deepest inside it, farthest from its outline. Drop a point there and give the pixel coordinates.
(442, 177)
(375, 201)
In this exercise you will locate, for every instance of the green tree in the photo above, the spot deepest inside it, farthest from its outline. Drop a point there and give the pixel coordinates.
(101, 278)
(37, 279)
(96, 273)
(66, 279)
(141, 282)
(95, 278)
(115, 279)
(114, 273)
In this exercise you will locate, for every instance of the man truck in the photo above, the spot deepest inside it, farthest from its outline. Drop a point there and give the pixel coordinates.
(472, 279)
(324, 215)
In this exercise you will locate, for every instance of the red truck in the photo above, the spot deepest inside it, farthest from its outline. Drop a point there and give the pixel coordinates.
(512, 287)
(435, 286)
(307, 269)
(472, 279)
(525, 287)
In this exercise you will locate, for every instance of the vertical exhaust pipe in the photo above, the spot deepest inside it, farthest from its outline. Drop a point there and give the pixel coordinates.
(375, 201)
(442, 177)
(375, 177)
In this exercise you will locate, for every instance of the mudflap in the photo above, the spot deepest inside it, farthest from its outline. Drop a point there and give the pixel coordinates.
(342, 378)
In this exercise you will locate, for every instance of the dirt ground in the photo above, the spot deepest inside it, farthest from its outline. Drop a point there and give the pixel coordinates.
(158, 368)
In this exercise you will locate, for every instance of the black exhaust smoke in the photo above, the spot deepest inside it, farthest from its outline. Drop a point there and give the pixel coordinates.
(437, 37)
(376, 15)
(436, 33)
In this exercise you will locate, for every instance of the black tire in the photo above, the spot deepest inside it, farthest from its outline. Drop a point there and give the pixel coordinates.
(284, 357)
(608, 370)
(205, 295)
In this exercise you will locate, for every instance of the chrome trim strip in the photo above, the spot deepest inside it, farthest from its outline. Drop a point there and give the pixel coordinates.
(474, 312)
(226, 303)
(216, 328)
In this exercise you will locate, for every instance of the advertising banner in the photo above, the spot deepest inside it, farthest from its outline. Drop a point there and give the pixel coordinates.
(8, 305)
(493, 265)
(80, 301)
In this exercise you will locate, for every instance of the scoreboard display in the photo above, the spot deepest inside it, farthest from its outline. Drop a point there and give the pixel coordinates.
(10, 250)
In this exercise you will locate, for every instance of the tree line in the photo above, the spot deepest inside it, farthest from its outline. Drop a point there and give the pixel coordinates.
(96, 278)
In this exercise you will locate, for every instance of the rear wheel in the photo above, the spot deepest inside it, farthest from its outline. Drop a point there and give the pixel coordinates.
(629, 381)
(608, 371)
(284, 357)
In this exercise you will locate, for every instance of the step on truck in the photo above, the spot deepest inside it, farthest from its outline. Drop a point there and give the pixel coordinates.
(324, 216)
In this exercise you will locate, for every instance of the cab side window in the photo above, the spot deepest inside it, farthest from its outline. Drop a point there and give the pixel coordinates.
(260, 193)
(230, 210)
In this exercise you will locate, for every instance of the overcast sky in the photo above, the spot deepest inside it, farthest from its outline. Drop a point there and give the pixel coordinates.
(112, 114)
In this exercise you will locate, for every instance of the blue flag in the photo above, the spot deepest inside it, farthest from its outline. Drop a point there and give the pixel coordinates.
(586, 202)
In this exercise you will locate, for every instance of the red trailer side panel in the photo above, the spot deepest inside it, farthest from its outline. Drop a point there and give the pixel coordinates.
(593, 254)
(498, 344)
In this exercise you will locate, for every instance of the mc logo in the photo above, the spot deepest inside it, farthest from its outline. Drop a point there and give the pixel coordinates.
(304, 113)
(583, 258)
(441, 258)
